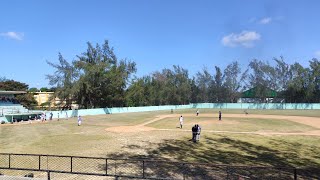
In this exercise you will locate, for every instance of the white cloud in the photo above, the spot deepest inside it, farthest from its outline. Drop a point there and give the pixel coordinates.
(13, 35)
(265, 20)
(317, 54)
(245, 39)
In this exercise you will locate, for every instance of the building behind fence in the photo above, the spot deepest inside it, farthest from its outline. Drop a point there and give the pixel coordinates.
(76, 167)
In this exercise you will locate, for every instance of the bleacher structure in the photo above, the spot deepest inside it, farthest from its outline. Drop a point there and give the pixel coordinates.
(11, 110)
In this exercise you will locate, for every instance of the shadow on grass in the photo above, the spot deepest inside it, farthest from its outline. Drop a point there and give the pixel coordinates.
(227, 151)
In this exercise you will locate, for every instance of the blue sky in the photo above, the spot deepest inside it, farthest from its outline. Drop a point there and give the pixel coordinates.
(156, 34)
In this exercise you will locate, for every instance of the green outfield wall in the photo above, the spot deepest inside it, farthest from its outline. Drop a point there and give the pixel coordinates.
(100, 111)
(257, 105)
(115, 110)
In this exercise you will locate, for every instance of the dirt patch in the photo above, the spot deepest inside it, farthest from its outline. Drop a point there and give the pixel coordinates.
(311, 121)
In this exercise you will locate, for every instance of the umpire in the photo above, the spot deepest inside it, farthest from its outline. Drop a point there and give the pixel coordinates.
(194, 132)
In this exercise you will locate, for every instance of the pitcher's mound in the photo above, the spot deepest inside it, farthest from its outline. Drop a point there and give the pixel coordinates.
(129, 129)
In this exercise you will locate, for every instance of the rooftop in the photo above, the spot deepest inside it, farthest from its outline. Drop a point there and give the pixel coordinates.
(13, 92)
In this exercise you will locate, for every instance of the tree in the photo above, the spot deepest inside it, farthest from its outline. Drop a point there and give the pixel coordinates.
(182, 84)
(171, 86)
(232, 82)
(137, 94)
(11, 85)
(52, 89)
(103, 78)
(2, 79)
(282, 74)
(194, 91)
(33, 89)
(314, 80)
(64, 79)
(217, 89)
(26, 100)
(259, 78)
(204, 82)
(304, 83)
(44, 89)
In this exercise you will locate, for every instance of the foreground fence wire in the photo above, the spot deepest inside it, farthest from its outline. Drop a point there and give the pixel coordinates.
(76, 167)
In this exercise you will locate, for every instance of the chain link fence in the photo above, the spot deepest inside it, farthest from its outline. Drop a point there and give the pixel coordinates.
(51, 167)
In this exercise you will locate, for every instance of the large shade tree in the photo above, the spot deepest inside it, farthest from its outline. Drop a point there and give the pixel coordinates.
(64, 79)
(103, 78)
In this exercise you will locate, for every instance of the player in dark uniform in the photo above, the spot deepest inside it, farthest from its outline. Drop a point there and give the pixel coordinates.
(194, 133)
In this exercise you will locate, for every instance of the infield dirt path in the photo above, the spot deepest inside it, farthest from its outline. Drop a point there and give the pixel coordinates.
(311, 121)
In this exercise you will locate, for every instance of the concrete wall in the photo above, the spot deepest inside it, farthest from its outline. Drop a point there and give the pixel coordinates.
(257, 105)
(99, 111)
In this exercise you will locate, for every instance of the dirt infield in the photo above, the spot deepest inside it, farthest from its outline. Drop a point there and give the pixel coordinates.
(310, 121)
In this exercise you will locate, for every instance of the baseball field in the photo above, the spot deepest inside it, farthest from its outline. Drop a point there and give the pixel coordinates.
(289, 138)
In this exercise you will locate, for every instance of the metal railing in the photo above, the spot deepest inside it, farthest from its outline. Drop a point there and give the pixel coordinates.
(13, 110)
(77, 167)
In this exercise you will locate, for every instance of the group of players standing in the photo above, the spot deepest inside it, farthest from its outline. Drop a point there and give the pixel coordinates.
(196, 129)
(43, 117)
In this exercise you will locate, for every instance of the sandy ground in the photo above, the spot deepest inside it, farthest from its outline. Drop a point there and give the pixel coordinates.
(311, 121)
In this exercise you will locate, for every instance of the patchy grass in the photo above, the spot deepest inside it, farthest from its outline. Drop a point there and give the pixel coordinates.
(280, 151)
(64, 137)
(234, 124)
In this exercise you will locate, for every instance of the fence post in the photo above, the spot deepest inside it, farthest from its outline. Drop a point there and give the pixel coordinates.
(106, 166)
(184, 171)
(143, 168)
(295, 174)
(227, 170)
(71, 163)
(9, 160)
(39, 162)
(115, 167)
(48, 175)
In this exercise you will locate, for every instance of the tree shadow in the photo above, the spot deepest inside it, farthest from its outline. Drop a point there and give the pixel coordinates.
(221, 153)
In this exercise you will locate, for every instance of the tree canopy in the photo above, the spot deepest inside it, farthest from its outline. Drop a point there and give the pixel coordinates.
(12, 85)
(98, 78)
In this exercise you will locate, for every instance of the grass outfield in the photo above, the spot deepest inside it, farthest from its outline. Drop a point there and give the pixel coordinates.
(234, 124)
(166, 141)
